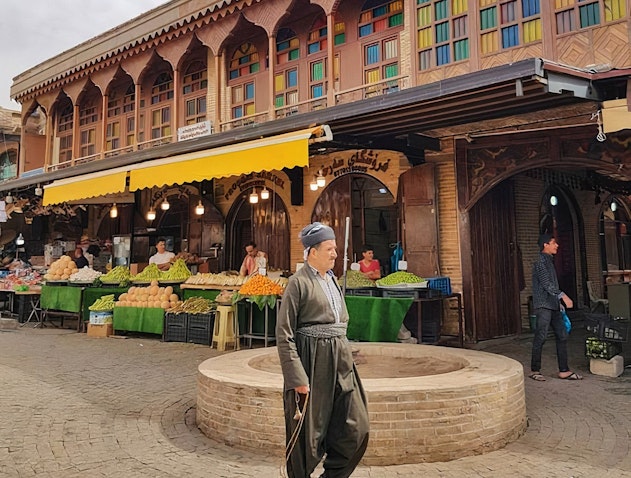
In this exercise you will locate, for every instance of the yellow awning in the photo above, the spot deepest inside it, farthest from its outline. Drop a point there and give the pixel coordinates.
(616, 115)
(86, 186)
(281, 151)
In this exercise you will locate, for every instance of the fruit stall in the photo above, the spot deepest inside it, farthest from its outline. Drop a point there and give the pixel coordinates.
(180, 306)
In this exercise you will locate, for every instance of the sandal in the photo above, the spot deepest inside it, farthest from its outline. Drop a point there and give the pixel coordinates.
(572, 376)
(537, 376)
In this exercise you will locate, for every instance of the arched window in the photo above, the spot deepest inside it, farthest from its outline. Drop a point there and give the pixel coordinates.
(64, 132)
(316, 49)
(379, 24)
(194, 85)
(244, 62)
(161, 93)
(88, 116)
(286, 74)
(120, 111)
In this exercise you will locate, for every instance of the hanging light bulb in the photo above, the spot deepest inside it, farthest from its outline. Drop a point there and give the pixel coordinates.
(614, 206)
(164, 205)
(38, 190)
(20, 240)
(113, 211)
(313, 186)
(8, 199)
(553, 200)
(320, 180)
(151, 214)
(265, 193)
(199, 209)
(254, 198)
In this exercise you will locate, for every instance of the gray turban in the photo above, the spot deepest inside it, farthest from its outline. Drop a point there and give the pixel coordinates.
(315, 233)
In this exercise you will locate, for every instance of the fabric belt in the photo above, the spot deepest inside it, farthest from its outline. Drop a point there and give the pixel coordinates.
(324, 330)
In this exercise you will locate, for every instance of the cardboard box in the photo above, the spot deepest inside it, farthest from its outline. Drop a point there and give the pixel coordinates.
(100, 330)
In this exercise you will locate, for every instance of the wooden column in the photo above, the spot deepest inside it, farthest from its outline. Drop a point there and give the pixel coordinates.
(271, 52)
(104, 125)
(330, 60)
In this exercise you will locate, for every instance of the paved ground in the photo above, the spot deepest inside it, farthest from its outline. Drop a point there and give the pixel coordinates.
(74, 406)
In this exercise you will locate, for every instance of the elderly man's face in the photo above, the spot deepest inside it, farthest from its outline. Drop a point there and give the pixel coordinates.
(323, 255)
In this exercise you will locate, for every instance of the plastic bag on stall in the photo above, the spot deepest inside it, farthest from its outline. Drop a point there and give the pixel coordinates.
(397, 255)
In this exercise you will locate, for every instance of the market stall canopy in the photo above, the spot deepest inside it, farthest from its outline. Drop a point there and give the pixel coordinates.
(286, 150)
(85, 186)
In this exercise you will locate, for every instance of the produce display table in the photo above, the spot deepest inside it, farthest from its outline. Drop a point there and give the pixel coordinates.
(139, 319)
(375, 319)
(91, 294)
(62, 301)
(255, 323)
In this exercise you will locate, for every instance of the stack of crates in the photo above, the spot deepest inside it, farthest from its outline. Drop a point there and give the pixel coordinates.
(607, 335)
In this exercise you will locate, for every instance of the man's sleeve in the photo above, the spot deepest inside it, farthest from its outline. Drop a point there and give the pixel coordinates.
(286, 322)
(546, 280)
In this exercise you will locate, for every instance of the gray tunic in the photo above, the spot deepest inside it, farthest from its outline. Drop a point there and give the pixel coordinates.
(336, 420)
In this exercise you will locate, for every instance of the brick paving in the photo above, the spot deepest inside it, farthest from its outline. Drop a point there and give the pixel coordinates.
(75, 406)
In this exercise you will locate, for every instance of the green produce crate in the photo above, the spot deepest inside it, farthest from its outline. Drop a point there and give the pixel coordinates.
(595, 348)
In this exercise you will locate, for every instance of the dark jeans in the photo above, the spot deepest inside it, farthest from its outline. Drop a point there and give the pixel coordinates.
(545, 319)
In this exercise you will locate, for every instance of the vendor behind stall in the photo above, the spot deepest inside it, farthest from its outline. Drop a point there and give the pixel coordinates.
(162, 258)
(79, 259)
(253, 261)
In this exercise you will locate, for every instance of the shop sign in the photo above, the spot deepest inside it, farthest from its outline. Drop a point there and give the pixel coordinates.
(260, 179)
(362, 161)
(195, 130)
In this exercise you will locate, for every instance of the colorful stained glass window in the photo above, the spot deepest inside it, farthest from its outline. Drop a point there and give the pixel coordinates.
(379, 15)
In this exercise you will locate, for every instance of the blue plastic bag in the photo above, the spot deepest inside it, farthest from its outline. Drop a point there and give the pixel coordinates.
(397, 255)
(566, 321)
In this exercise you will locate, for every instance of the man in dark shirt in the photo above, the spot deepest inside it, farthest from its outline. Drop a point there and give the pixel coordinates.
(546, 300)
(79, 259)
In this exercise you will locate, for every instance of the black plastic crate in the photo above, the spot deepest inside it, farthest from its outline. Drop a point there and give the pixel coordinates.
(401, 293)
(364, 291)
(604, 327)
(201, 321)
(201, 336)
(200, 328)
(175, 327)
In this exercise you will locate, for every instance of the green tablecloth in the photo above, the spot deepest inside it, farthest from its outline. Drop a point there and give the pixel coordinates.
(61, 297)
(139, 319)
(209, 294)
(375, 319)
(91, 294)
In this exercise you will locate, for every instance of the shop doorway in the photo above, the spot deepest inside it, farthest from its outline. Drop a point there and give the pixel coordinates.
(373, 213)
(266, 223)
(495, 265)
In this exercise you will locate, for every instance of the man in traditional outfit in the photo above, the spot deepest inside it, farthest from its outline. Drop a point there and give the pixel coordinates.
(318, 367)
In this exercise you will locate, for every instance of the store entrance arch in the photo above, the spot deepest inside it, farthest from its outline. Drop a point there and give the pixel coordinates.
(266, 223)
(373, 212)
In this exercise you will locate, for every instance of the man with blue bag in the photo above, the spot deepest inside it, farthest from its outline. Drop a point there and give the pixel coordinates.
(549, 303)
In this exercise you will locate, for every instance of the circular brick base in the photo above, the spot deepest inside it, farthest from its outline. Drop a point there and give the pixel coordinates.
(476, 408)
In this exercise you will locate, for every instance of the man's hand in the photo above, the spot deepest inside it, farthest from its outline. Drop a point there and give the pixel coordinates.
(567, 302)
(303, 389)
